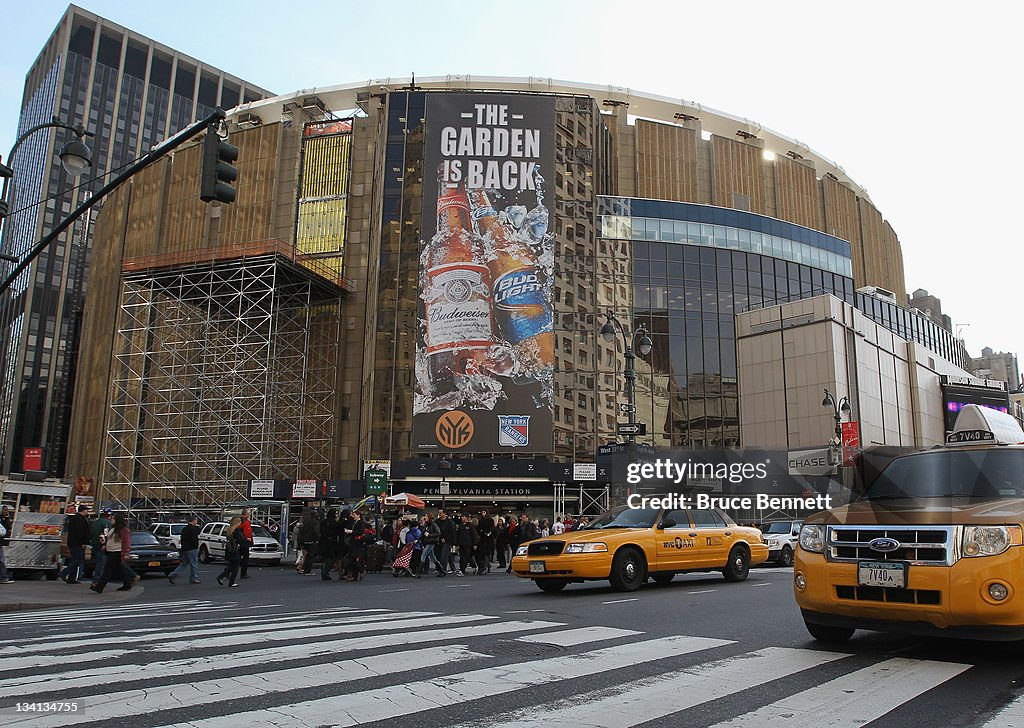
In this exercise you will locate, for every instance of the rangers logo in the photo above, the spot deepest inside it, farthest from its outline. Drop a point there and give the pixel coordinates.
(513, 430)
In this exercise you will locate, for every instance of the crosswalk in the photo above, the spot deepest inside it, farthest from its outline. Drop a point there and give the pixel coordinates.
(280, 667)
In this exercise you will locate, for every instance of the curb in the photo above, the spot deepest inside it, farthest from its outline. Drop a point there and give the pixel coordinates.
(23, 606)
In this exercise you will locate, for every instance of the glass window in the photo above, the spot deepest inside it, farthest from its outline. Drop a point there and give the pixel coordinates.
(681, 517)
(704, 518)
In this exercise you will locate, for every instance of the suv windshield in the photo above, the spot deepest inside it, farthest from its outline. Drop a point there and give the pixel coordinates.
(625, 518)
(989, 474)
(779, 527)
(261, 531)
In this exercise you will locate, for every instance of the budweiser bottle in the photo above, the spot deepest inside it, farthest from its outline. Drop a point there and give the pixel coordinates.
(521, 311)
(457, 295)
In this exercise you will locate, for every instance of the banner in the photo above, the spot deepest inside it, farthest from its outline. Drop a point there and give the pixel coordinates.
(485, 343)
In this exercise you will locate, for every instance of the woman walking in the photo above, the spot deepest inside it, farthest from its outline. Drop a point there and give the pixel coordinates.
(117, 544)
(233, 552)
(358, 538)
(327, 547)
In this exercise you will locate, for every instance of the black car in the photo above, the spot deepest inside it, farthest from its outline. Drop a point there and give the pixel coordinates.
(147, 554)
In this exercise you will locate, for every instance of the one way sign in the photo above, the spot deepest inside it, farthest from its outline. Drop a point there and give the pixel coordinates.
(638, 428)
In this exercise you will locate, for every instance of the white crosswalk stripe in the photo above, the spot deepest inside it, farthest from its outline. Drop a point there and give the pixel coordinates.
(278, 669)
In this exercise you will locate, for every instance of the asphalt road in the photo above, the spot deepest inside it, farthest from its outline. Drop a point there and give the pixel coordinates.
(290, 650)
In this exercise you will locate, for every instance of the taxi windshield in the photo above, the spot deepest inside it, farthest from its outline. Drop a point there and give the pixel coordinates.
(625, 518)
(987, 474)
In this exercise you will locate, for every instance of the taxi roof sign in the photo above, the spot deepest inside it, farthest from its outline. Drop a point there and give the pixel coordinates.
(985, 425)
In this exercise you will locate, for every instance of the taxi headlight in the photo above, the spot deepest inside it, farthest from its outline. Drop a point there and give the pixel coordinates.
(521, 551)
(585, 548)
(990, 540)
(812, 538)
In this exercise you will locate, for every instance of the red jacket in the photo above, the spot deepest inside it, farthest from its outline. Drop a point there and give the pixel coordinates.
(247, 530)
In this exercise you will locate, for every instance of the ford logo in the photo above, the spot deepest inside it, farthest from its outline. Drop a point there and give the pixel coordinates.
(884, 545)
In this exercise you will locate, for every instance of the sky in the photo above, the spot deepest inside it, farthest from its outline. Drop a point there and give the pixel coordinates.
(916, 101)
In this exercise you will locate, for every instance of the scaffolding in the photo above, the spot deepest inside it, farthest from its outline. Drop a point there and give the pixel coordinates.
(224, 371)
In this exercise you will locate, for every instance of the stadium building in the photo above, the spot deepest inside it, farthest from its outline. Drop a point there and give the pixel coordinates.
(415, 274)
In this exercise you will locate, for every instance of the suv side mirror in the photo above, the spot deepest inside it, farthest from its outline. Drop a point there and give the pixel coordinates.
(668, 523)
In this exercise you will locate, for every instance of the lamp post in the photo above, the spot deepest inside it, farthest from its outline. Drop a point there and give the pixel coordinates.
(842, 407)
(644, 345)
(444, 466)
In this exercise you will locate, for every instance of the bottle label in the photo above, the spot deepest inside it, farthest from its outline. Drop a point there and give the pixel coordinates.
(452, 199)
(519, 301)
(458, 312)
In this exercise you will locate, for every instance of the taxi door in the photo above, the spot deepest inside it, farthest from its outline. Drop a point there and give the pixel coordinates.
(714, 537)
(676, 545)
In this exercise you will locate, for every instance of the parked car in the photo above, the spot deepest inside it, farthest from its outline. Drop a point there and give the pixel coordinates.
(168, 533)
(147, 554)
(782, 538)
(265, 549)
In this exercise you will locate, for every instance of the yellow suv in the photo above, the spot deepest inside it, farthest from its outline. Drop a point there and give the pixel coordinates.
(933, 546)
(627, 546)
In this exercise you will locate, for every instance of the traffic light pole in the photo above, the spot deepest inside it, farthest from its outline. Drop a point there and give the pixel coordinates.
(152, 156)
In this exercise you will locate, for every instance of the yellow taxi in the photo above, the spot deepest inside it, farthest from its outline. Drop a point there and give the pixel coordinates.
(932, 547)
(627, 546)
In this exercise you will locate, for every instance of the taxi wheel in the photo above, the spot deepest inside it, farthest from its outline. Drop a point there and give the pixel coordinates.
(825, 633)
(550, 585)
(786, 558)
(629, 571)
(738, 566)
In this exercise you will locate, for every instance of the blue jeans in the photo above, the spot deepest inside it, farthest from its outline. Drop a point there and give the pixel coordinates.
(425, 559)
(190, 559)
(444, 556)
(101, 563)
(76, 563)
(3, 566)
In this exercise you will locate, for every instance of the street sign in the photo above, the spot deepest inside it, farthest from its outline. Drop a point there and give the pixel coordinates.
(584, 472)
(261, 489)
(445, 489)
(627, 408)
(376, 482)
(637, 428)
(304, 489)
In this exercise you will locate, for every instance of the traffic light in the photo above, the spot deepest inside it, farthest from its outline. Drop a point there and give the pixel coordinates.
(218, 171)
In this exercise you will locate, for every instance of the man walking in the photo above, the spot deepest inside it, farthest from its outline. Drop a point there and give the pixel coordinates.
(485, 526)
(97, 528)
(5, 533)
(431, 540)
(243, 556)
(189, 552)
(448, 530)
(78, 538)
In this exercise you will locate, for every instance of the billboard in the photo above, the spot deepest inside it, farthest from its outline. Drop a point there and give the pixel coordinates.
(485, 344)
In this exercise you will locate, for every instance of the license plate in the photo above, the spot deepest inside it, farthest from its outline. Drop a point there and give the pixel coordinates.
(154, 563)
(537, 567)
(881, 573)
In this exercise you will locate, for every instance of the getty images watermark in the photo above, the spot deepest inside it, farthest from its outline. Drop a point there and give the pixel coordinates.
(733, 480)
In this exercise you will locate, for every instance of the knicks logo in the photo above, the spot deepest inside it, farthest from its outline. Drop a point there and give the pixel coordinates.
(454, 429)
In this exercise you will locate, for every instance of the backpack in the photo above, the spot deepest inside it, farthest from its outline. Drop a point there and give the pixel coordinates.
(231, 546)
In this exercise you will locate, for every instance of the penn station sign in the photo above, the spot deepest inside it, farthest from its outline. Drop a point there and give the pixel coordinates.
(503, 490)
(810, 462)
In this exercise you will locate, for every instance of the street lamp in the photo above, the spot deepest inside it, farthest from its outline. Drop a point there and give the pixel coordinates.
(840, 408)
(644, 345)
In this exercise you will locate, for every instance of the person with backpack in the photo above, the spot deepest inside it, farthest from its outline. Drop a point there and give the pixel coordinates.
(78, 538)
(117, 542)
(233, 552)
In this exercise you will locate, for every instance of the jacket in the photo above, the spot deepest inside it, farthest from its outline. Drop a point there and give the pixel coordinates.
(431, 534)
(190, 538)
(527, 531)
(6, 523)
(448, 529)
(246, 527)
(78, 531)
(415, 537)
(486, 528)
(240, 541)
(309, 530)
(96, 529)
(119, 541)
(467, 535)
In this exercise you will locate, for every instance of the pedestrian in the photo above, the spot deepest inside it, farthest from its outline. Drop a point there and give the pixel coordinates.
(5, 534)
(327, 546)
(97, 528)
(501, 541)
(189, 550)
(345, 523)
(117, 542)
(309, 532)
(448, 528)
(359, 537)
(431, 542)
(527, 529)
(568, 523)
(485, 527)
(243, 556)
(414, 536)
(77, 527)
(466, 538)
(233, 552)
(557, 528)
(544, 529)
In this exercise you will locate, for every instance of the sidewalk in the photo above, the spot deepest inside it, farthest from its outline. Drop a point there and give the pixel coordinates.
(27, 594)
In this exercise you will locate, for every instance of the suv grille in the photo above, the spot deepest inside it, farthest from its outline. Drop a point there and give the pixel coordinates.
(545, 548)
(935, 545)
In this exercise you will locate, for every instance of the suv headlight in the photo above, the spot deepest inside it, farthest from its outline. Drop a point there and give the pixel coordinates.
(585, 548)
(521, 551)
(989, 540)
(174, 555)
(812, 538)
